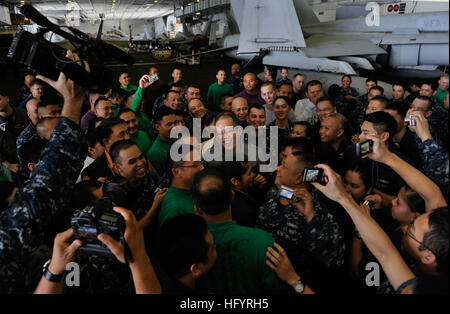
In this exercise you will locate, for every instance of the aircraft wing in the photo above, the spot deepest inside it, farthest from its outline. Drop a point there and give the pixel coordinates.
(323, 46)
(268, 23)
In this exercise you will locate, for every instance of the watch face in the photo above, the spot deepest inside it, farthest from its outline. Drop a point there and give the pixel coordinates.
(299, 287)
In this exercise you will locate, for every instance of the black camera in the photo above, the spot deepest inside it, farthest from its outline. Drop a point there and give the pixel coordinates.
(364, 148)
(48, 59)
(312, 175)
(91, 221)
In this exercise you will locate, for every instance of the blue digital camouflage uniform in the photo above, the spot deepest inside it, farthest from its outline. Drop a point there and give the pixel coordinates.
(321, 238)
(439, 124)
(105, 274)
(42, 198)
(28, 134)
(435, 164)
(344, 105)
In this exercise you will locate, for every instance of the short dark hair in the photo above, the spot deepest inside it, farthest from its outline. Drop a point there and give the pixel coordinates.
(313, 83)
(236, 169)
(117, 147)
(37, 82)
(104, 130)
(3, 93)
(125, 110)
(179, 84)
(400, 107)
(398, 83)
(223, 97)
(427, 99)
(97, 101)
(371, 79)
(432, 84)
(304, 159)
(309, 130)
(325, 98)
(181, 243)
(282, 97)
(437, 238)
(344, 76)
(48, 102)
(118, 92)
(382, 100)
(163, 111)
(93, 122)
(414, 201)
(91, 139)
(362, 168)
(298, 144)
(378, 88)
(256, 106)
(82, 194)
(382, 122)
(215, 198)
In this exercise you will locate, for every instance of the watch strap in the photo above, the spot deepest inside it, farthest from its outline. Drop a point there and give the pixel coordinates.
(51, 277)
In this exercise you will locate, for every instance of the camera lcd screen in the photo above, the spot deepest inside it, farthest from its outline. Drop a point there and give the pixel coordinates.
(88, 233)
(365, 148)
(286, 193)
(312, 175)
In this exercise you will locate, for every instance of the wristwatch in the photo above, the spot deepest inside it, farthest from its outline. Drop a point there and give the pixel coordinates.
(298, 286)
(49, 276)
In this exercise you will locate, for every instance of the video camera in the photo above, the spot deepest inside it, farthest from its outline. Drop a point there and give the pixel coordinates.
(48, 59)
(88, 223)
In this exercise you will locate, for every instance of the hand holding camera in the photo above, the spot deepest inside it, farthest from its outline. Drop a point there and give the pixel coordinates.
(332, 186)
(63, 251)
(380, 151)
(301, 199)
(144, 82)
(420, 127)
(375, 202)
(134, 239)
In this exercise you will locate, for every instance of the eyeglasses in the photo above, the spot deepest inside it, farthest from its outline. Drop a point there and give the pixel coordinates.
(412, 237)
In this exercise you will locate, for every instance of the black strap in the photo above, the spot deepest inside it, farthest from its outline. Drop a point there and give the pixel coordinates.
(404, 285)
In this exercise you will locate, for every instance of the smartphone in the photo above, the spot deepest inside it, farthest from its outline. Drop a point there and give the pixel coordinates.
(312, 175)
(364, 148)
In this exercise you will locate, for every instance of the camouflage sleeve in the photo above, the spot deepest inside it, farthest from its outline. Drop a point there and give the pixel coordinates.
(40, 199)
(324, 238)
(435, 163)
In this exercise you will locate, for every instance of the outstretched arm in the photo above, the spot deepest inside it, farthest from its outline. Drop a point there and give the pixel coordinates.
(419, 182)
(373, 236)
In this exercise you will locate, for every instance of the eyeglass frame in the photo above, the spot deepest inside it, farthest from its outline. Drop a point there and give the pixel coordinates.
(412, 237)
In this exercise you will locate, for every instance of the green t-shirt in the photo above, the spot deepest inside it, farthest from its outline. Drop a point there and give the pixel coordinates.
(440, 95)
(130, 88)
(142, 140)
(241, 266)
(215, 91)
(176, 202)
(144, 121)
(157, 155)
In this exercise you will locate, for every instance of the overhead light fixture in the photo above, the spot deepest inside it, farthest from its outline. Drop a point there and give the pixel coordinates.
(190, 3)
